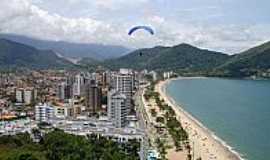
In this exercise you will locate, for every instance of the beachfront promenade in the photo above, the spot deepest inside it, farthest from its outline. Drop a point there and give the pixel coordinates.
(155, 130)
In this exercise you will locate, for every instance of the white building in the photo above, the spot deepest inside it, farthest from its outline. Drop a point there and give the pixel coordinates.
(125, 71)
(154, 75)
(44, 113)
(167, 75)
(67, 110)
(78, 83)
(61, 90)
(123, 82)
(63, 112)
(26, 96)
(19, 95)
(117, 108)
(29, 96)
(132, 120)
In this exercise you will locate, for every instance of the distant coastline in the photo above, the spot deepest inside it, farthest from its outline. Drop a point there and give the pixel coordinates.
(234, 78)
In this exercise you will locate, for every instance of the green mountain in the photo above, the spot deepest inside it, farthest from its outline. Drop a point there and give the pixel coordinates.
(16, 55)
(183, 58)
(251, 62)
(180, 57)
(90, 64)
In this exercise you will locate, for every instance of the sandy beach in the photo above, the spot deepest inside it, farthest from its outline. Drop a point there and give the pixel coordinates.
(205, 144)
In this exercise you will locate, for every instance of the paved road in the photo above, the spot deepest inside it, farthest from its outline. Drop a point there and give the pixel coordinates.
(140, 110)
(142, 117)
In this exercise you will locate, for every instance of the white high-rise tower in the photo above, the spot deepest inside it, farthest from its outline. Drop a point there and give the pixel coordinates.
(117, 108)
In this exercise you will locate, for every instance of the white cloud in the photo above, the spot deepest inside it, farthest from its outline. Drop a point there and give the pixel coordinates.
(20, 16)
(25, 17)
(157, 19)
(117, 4)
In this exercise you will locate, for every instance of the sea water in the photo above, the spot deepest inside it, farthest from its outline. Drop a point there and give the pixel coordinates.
(237, 111)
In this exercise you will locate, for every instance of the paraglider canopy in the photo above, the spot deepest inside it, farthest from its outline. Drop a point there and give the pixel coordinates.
(146, 28)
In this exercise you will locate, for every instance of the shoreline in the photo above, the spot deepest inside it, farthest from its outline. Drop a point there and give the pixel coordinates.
(206, 144)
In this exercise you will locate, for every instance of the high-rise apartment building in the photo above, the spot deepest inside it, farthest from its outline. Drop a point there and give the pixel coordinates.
(26, 96)
(93, 95)
(117, 108)
(78, 84)
(61, 90)
(29, 96)
(44, 113)
(64, 91)
(123, 82)
(19, 95)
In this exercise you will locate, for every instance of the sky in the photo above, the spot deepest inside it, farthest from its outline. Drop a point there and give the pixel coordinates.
(229, 26)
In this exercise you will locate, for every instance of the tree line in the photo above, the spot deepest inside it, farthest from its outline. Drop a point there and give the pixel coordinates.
(58, 145)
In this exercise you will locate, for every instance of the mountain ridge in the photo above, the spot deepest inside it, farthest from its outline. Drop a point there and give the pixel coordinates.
(251, 61)
(186, 60)
(17, 55)
(181, 56)
(71, 49)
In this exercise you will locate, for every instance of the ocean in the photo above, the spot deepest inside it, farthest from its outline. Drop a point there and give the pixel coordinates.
(237, 111)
